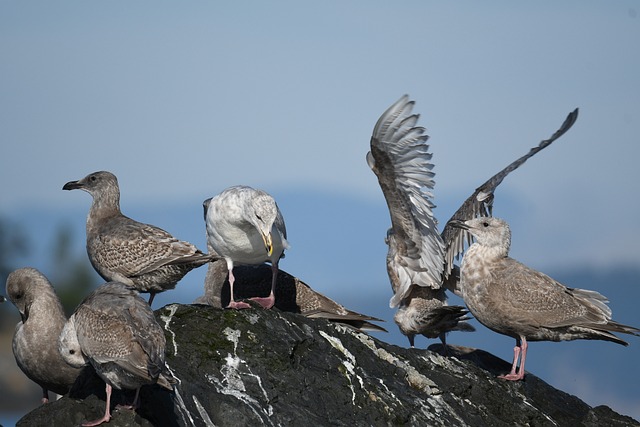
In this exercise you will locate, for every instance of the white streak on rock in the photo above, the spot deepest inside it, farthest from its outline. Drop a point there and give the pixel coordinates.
(203, 413)
(414, 378)
(349, 364)
(232, 335)
(167, 320)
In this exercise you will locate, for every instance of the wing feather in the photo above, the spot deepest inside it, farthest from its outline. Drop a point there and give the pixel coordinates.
(401, 160)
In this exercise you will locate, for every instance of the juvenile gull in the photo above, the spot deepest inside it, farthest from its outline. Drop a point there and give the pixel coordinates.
(35, 342)
(419, 260)
(245, 226)
(292, 295)
(120, 249)
(512, 299)
(115, 331)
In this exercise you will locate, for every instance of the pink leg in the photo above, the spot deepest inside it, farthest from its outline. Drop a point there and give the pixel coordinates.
(45, 395)
(135, 405)
(520, 350)
(107, 412)
(232, 302)
(271, 299)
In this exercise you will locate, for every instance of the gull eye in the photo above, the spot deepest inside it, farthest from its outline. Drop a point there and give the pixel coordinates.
(93, 178)
(72, 352)
(485, 224)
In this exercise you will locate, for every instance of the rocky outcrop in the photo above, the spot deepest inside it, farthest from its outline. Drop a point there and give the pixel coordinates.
(267, 367)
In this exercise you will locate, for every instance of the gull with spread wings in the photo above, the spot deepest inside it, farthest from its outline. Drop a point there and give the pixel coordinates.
(420, 261)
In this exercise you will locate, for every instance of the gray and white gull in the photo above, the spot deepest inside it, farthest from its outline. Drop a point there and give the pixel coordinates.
(124, 250)
(114, 330)
(514, 300)
(35, 342)
(245, 226)
(420, 261)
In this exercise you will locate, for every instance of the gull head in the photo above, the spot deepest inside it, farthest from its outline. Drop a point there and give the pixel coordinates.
(103, 187)
(262, 214)
(93, 183)
(69, 346)
(22, 289)
(488, 231)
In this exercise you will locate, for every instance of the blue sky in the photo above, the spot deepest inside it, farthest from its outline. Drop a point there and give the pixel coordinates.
(183, 100)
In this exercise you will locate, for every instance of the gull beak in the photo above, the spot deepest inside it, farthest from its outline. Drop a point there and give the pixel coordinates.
(268, 243)
(458, 224)
(72, 185)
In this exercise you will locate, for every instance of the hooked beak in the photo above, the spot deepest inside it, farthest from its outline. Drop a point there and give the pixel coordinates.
(268, 243)
(72, 185)
(458, 224)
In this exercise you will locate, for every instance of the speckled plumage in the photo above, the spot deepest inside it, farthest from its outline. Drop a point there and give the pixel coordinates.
(292, 294)
(115, 331)
(245, 226)
(425, 313)
(515, 300)
(419, 257)
(120, 249)
(35, 342)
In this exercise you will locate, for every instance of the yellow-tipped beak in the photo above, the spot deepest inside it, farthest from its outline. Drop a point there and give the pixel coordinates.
(268, 243)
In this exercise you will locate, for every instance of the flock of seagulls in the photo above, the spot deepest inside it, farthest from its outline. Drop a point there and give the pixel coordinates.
(114, 330)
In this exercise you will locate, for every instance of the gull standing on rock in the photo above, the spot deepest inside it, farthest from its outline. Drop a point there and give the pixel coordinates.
(35, 342)
(514, 300)
(419, 259)
(120, 249)
(115, 331)
(245, 226)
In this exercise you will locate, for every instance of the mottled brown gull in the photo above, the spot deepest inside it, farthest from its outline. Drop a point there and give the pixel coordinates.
(35, 342)
(514, 300)
(120, 249)
(291, 294)
(115, 331)
(418, 257)
(245, 226)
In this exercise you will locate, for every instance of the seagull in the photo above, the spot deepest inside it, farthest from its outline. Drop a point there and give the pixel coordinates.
(115, 331)
(35, 342)
(292, 295)
(514, 300)
(418, 256)
(245, 226)
(139, 255)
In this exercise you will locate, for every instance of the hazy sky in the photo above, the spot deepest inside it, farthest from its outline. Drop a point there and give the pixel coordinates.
(181, 100)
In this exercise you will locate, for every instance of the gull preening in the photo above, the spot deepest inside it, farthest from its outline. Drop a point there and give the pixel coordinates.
(35, 342)
(120, 249)
(514, 300)
(245, 226)
(115, 331)
(418, 255)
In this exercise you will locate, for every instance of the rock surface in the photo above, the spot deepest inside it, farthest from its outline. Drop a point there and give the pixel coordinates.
(266, 367)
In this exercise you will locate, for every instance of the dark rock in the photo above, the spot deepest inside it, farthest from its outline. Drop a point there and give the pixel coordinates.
(266, 367)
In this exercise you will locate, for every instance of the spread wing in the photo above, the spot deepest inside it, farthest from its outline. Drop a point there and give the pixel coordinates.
(480, 203)
(401, 160)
